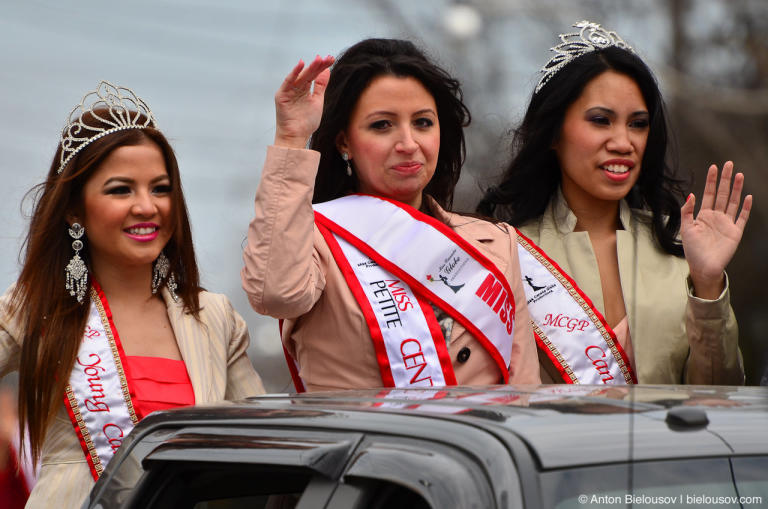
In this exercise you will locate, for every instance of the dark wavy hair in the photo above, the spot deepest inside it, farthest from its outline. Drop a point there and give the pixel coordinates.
(350, 76)
(533, 176)
(52, 321)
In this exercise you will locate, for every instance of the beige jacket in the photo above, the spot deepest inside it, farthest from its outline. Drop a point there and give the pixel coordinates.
(214, 351)
(676, 337)
(290, 273)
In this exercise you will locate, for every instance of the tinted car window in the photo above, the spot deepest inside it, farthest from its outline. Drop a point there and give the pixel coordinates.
(684, 483)
(202, 485)
(751, 476)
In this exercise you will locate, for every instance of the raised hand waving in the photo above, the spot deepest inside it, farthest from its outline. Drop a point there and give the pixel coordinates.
(299, 105)
(711, 239)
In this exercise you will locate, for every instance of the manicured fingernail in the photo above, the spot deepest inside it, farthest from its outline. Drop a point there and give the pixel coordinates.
(689, 198)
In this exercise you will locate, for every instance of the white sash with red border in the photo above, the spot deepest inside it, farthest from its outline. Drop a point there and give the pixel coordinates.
(97, 398)
(396, 261)
(409, 344)
(568, 328)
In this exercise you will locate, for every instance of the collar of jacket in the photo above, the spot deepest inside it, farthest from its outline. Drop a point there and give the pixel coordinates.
(565, 219)
(458, 222)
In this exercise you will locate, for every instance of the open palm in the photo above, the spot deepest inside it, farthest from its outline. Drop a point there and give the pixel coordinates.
(299, 105)
(712, 237)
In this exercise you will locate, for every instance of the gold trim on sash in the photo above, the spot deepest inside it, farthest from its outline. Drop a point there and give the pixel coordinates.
(74, 406)
(115, 354)
(588, 309)
(84, 430)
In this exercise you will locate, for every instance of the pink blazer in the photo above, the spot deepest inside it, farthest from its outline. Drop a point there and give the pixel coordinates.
(289, 273)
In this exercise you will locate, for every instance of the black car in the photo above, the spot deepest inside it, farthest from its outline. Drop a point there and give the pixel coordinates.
(492, 447)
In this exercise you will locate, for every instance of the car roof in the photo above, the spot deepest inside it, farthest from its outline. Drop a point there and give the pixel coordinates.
(562, 425)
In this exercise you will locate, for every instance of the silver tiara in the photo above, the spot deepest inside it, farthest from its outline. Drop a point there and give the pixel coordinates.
(125, 110)
(591, 37)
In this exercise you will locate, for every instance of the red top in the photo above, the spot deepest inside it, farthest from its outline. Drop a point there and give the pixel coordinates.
(13, 486)
(157, 383)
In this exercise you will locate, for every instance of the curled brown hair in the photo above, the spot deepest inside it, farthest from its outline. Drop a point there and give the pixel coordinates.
(52, 321)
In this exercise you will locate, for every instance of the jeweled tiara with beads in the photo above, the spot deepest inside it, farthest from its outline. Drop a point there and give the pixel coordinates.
(591, 37)
(119, 109)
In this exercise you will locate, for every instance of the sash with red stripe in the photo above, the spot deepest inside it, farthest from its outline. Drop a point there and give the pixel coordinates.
(97, 397)
(568, 328)
(398, 262)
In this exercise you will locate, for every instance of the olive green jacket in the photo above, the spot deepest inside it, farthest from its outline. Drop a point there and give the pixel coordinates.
(676, 337)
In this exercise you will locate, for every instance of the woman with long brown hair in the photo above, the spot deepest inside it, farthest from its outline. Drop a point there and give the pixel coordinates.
(382, 285)
(108, 313)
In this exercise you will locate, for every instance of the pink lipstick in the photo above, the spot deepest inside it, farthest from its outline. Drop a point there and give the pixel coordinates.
(143, 232)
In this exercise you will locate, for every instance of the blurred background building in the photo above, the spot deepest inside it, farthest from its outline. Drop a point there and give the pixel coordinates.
(209, 70)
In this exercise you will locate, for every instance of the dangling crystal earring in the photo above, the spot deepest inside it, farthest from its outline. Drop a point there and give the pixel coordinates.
(345, 156)
(160, 272)
(76, 271)
(171, 284)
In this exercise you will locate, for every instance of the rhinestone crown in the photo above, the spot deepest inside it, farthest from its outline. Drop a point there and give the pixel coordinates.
(590, 37)
(119, 109)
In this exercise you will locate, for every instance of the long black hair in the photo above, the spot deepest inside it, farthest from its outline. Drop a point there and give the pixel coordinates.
(350, 76)
(532, 178)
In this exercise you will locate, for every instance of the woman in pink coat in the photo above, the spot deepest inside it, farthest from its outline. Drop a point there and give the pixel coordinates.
(380, 285)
